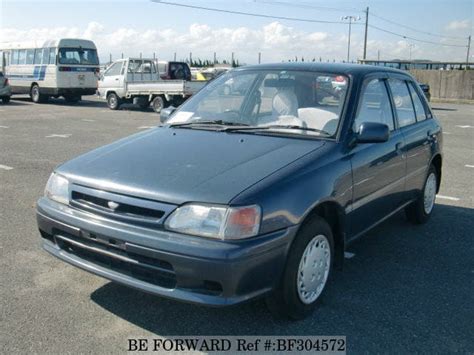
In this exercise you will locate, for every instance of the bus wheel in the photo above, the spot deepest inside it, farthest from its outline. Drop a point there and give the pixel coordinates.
(158, 104)
(72, 98)
(36, 96)
(113, 101)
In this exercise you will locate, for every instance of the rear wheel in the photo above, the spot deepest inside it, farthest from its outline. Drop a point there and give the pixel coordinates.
(113, 101)
(6, 99)
(420, 211)
(36, 95)
(306, 273)
(158, 104)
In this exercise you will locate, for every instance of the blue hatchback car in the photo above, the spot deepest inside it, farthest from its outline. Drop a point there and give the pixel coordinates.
(253, 187)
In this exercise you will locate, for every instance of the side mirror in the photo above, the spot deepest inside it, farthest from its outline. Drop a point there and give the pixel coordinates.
(166, 113)
(373, 132)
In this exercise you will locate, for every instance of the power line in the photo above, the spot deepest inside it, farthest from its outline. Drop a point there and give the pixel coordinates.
(299, 20)
(415, 29)
(415, 39)
(306, 6)
(244, 13)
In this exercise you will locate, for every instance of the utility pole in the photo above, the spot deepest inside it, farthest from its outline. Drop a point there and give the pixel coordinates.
(366, 29)
(232, 61)
(174, 56)
(410, 45)
(468, 49)
(190, 58)
(215, 58)
(259, 57)
(350, 18)
(378, 54)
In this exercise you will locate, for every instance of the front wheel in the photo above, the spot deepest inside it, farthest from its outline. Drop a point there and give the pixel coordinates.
(306, 273)
(419, 211)
(36, 95)
(158, 104)
(113, 101)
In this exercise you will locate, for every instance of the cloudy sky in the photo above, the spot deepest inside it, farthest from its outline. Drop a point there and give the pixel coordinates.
(141, 26)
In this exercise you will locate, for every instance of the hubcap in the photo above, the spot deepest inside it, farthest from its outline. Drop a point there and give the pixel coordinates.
(430, 193)
(35, 93)
(112, 101)
(313, 270)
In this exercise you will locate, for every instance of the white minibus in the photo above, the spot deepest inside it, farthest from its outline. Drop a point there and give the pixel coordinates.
(65, 67)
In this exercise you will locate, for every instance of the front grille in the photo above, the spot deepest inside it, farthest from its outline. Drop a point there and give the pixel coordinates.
(114, 256)
(129, 209)
(123, 208)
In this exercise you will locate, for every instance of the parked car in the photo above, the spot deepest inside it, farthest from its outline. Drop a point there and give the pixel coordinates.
(5, 89)
(243, 194)
(173, 70)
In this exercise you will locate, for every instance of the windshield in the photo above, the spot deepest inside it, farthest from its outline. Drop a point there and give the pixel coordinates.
(298, 102)
(78, 56)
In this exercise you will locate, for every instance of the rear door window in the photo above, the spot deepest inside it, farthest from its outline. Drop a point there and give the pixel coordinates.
(374, 105)
(417, 104)
(402, 100)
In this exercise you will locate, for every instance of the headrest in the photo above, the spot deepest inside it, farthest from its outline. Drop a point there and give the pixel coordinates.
(279, 83)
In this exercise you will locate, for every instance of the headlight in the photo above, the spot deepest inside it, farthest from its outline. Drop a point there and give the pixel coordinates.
(216, 221)
(57, 189)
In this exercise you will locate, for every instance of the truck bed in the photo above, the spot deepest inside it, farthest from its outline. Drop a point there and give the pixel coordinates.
(164, 87)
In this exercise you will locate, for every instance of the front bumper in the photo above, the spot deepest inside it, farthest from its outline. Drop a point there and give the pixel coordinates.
(164, 263)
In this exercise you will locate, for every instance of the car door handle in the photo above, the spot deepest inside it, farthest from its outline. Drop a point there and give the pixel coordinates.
(116, 79)
(399, 146)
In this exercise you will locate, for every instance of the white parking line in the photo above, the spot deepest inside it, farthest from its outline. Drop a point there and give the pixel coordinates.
(59, 136)
(447, 198)
(5, 167)
(87, 120)
(4, 127)
(469, 166)
(464, 126)
(446, 132)
(146, 127)
(348, 255)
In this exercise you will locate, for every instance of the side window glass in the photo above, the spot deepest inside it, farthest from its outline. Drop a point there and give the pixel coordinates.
(45, 56)
(402, 101)
(22, 56)
(52, 56)
(374, 105)
(30, 56)
(114, 69)
(417, 103)
(38, 56)
(14, 57)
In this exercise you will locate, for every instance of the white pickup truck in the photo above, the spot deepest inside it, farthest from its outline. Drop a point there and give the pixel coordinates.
(137, 80)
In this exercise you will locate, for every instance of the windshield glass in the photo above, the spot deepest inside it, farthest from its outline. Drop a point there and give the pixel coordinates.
(270, 99)
(78, 56)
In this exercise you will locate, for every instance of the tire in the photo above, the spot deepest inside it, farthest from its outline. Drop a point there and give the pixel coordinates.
(418, 212)
(6, 99)
(158, 104)
(36, 95)
(289, 299)
(113, 101)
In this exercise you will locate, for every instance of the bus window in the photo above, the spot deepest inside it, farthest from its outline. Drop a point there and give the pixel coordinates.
(22, 56)
(45, 59)
(78, 56)
(52, 56)
(14, 57)
(30, 56)
(38, 56)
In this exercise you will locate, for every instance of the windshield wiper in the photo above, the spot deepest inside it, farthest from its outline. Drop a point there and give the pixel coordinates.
(267, 127)
(209, 122)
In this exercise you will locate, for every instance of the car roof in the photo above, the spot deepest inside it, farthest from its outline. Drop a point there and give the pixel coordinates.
(336, 68)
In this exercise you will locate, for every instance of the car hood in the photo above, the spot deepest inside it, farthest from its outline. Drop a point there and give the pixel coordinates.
(179, 165)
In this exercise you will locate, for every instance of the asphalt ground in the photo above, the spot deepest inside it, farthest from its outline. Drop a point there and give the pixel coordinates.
(407, 288)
